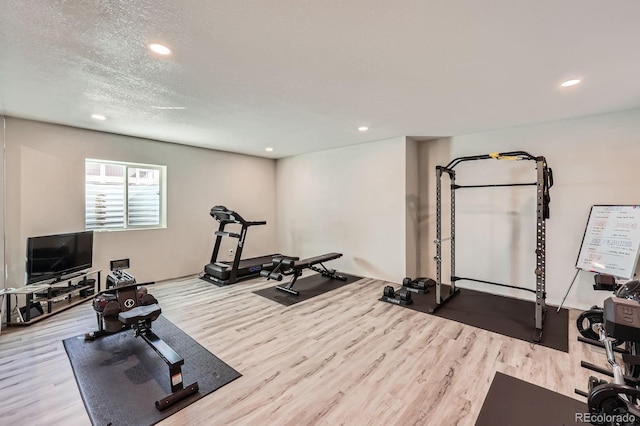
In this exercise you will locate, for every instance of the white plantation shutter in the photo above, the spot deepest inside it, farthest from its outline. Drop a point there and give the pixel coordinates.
(123, 195)
(144, 197)
(104, 206)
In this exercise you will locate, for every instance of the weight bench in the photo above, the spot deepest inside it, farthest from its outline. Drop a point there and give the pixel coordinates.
(130, 306)
(292, 266)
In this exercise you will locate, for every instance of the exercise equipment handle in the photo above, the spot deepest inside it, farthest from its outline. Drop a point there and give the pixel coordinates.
(618, 375)
(287, 261)
(271, 275)
(226, 234)
(123, 287)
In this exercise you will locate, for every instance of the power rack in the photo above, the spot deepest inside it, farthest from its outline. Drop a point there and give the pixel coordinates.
(543, 182)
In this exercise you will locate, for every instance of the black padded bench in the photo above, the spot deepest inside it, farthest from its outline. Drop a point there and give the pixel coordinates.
(288, 265)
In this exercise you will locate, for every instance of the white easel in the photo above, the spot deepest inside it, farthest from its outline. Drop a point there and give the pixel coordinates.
(611, 242)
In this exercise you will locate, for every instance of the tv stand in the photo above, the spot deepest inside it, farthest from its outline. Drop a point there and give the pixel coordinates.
(45, 299)
(67, 277)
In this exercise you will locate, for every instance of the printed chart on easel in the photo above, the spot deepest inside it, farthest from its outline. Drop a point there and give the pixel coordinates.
(611, 241)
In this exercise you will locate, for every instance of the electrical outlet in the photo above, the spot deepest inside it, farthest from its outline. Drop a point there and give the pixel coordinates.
(230, 252)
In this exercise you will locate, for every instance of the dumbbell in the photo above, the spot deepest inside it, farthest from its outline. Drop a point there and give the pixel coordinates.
(402, 294)
(418, 283)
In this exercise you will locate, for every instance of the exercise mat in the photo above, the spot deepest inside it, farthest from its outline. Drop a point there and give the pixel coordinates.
(499, 314)
(308, 287)
(512, 401)
(120, 376)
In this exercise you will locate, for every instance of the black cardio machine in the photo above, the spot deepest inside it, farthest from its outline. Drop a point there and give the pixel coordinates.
(128, 305)
(224, 273)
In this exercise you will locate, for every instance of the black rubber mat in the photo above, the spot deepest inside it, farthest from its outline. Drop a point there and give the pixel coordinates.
(514, 402)
(499, 314)
(308, 287)
(120, 377)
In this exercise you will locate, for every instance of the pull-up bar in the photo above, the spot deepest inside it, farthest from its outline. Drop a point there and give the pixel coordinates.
(543, 182)
(512, 155)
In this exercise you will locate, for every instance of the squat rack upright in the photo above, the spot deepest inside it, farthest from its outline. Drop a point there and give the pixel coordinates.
(543, 183)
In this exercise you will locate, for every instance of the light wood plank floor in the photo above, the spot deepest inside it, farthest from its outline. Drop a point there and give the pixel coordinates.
(340, 358)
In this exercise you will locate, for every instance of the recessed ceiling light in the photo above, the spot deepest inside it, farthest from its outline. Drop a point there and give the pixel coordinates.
(571, 82)
(268, 149)
(363, 128)
(98, 117)
(160, 49)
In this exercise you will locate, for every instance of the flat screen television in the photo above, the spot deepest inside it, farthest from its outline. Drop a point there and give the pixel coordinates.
(53, 256)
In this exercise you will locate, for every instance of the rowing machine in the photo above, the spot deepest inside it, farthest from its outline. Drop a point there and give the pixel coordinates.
(130, 306)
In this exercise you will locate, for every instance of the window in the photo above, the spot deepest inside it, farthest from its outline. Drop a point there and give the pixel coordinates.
(124, 195)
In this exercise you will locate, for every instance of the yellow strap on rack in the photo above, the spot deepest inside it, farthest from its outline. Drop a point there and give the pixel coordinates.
(497, 156)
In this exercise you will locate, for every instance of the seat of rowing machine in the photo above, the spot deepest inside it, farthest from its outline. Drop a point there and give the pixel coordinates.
(125, 305)
(140, 313)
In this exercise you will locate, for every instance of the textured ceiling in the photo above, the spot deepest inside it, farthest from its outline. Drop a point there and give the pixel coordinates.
(302, 75)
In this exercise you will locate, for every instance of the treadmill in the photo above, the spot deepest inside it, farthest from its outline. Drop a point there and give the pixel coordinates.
(223, 273)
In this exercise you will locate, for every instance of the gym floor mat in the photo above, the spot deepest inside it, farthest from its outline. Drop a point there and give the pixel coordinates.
(503, 315)
(308, 287)
(512, 401)
(120, 377)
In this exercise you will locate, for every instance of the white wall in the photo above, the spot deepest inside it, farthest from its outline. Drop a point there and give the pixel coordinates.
(349, 200)
(594, 160)
(412, 209)
(45, 195)
(2, 207)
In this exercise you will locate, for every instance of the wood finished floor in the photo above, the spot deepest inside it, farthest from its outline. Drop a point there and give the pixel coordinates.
(339, 358)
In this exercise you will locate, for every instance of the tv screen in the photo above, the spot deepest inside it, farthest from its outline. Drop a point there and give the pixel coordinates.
(52, 256)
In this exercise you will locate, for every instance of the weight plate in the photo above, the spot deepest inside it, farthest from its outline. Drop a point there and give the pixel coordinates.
(586, 322)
